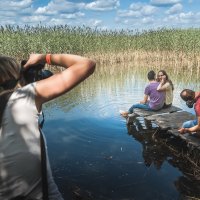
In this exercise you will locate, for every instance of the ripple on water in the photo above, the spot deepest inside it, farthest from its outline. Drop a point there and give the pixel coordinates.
(89, 140)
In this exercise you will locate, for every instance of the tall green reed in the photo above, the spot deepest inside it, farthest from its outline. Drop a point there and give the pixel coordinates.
(104, 45)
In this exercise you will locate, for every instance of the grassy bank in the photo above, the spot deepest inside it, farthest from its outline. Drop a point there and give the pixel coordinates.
(174, 47)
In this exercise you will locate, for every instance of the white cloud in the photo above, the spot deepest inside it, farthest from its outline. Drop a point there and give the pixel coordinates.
(95, 22)
(60, 6)
(56, 21)
(14, 11)
(136, 23)
(147, 20)
(148, 10)
(64, 21)
(136, 6)
(73, 20)
(72, 15)
(77, 13)
(175, 9)
(4, 14)
(33, 19)
(129, 13)
(14, 4)
(20, 4)
(164, 2)
(184, 18)
(137, 10)
(139, 15)
(103, 5)
(64, 6)
(144, 9)
(22, 12)
(44, 10)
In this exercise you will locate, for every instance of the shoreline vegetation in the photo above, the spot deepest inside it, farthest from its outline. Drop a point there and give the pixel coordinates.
(173, 48)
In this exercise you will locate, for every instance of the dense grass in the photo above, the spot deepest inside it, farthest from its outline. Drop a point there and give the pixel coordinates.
(103, 45)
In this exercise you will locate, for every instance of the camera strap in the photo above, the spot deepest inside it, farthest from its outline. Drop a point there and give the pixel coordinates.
(43, 166)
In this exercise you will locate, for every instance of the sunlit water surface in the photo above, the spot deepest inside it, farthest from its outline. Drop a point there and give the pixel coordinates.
(92, 153)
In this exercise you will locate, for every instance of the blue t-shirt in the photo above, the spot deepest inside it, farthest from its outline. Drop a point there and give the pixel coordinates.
(156, 98)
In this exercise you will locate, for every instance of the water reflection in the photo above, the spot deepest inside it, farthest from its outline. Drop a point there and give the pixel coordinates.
(124, 82)
(159, 148)
(92, 155)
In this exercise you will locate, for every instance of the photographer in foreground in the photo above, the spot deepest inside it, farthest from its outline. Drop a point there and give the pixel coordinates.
(191, 98)
(21, 174)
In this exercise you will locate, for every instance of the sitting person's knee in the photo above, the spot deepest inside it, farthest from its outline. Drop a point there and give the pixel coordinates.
(188, 124)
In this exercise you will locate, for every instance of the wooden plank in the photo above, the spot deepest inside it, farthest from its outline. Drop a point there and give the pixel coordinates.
(171, 120)
(193, 139)
(143, 113)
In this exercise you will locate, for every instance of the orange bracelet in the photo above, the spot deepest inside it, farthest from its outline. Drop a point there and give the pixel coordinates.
(48, 59)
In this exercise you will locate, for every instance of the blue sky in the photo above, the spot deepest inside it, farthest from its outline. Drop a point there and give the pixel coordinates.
(104, 14)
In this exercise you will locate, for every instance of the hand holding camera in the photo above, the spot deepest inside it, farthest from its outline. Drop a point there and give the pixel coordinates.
(33, 68)
(35, 59)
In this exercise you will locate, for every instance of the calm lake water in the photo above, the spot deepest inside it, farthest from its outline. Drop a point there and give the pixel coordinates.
(94, 155)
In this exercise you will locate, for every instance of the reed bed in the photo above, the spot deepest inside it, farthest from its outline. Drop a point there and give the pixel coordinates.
(166, 47)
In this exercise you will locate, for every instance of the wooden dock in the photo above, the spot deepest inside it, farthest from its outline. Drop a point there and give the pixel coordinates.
(169, 120)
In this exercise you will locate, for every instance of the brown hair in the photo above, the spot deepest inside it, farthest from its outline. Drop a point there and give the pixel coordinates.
(167, 78)
(9, 69)
(9, 76)
(187, 94)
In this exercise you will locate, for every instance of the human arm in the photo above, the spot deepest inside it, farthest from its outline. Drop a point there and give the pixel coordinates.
(77, 69)
(145, 99)
(163, 84)
(195, 128)
(147, 93)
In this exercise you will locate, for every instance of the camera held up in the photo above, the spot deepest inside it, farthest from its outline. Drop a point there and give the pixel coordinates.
(34, 72)
(190, 103)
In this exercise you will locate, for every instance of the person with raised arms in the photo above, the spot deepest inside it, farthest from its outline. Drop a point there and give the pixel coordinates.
(20, 106)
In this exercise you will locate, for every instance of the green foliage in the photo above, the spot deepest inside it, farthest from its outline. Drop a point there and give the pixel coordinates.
(20, 42)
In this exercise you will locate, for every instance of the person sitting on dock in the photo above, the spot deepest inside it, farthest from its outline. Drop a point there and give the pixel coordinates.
(167, 86)
(191, 98)
(153, 99)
